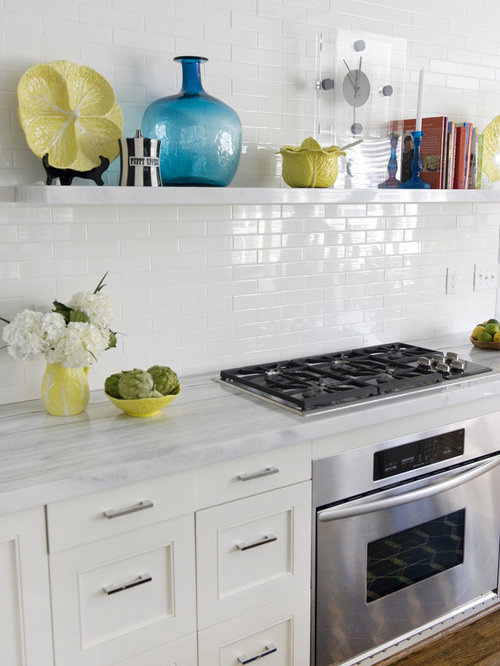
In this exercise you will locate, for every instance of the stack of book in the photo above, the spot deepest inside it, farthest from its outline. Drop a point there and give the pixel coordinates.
(451, 152)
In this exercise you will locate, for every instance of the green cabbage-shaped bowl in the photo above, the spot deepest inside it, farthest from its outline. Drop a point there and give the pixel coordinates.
(310, 165)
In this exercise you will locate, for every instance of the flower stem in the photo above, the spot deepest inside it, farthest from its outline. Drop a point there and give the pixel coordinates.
(100, 285)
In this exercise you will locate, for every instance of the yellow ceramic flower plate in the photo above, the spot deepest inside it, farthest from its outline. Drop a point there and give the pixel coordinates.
(144, 406)
(69, 112)
(491, 150)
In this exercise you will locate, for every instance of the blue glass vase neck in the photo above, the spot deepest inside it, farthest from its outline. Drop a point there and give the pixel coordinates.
(191, 77)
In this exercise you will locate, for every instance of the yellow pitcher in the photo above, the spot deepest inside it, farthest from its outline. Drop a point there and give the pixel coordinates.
(65, 391)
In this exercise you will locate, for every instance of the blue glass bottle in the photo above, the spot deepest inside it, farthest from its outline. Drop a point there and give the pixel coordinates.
(200, 135)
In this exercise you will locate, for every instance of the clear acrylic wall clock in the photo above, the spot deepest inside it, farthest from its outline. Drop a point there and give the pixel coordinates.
(359, 91)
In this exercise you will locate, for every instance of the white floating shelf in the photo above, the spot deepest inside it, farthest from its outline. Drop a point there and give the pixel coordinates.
(71, 195)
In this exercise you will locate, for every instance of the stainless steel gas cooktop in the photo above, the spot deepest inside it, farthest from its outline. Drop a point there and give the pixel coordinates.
(324, 382)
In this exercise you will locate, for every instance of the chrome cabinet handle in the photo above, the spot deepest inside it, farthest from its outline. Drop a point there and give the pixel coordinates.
(470, 472)
(256, 475)
(268, 649)
(116, 513)
(246, 545)
(140, 580)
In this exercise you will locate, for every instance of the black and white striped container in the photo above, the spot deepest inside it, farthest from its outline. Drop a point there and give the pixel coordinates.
(140, 161)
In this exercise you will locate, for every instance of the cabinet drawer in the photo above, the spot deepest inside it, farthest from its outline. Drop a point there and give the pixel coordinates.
(256, 473)
(275, 635)
(252, 552)
(113, 599)
(106, 513)
(183, 652)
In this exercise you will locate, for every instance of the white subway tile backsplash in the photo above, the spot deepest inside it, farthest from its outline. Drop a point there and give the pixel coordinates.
(78, 214)
(118, 265)
(214, 304)
(261, 300)
(114, 230)
(154, 215)
(26, 251)
(40, 233)
(204, 287)
(8, 233)
(51, 267)
(262, 211)
(67, 249)
(230, 227)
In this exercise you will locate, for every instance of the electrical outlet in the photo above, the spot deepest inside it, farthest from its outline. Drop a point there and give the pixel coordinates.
(485, 276)
(451, 280)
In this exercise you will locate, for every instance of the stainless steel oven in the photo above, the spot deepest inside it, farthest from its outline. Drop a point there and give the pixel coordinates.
(406, 534)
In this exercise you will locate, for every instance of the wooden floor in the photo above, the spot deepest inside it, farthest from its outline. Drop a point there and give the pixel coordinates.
(477, 644)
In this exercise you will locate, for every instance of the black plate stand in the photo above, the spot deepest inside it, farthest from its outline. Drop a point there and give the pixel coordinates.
(66, 175)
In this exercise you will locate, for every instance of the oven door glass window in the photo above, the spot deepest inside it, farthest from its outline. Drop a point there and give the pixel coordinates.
(402, 559)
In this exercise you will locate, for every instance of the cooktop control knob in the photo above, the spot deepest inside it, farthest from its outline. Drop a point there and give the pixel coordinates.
(458, 364)
(424, 362)
(438, 358)
(443, 367)
(452, 356)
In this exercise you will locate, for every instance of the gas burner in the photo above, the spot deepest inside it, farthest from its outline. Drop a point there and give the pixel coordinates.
(329, 380)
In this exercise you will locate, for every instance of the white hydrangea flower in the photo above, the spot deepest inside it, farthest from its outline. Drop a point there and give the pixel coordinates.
(97, 307)
(52, 328)
(24, 335)
(80, 345)
(72, 344)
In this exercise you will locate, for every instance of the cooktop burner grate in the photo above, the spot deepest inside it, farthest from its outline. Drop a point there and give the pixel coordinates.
(328, 380)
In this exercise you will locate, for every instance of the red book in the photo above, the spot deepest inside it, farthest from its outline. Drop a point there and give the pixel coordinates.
(432, 149)
(460, 157)
(450, 155)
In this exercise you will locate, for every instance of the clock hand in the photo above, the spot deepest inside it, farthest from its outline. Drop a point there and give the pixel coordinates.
(353, 83)
(359, 68)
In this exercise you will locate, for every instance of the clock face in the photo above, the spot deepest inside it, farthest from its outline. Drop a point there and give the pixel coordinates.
(366, 74)
(356, 88)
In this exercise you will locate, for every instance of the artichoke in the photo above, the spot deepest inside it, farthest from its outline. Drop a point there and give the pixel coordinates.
(135, 384)
(111, 385)
(165, 379)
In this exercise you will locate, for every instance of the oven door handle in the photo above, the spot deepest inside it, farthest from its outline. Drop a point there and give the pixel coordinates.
(335, 513)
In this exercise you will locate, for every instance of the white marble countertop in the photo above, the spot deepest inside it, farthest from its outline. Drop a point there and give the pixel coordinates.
(46, 458)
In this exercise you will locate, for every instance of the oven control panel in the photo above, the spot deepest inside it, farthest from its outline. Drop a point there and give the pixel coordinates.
(421, 453)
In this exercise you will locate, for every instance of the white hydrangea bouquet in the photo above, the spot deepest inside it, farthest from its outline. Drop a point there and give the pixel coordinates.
(72, 335)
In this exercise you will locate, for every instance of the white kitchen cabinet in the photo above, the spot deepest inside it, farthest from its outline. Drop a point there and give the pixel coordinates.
(249, 475)
(183, 652)
(106, 513)
(140, 577)
(274, 635)
(252, 552)
(118, 597)
(25, 631)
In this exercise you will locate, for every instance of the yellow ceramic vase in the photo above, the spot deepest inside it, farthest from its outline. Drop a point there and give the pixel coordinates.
(65, 391)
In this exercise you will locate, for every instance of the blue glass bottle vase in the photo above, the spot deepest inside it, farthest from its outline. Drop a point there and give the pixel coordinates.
(200, 135)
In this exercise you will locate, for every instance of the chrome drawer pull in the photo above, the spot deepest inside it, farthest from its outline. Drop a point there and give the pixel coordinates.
(142, 578)
(267, 538)
(269, 649)
(116, 513)
(256, 475)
